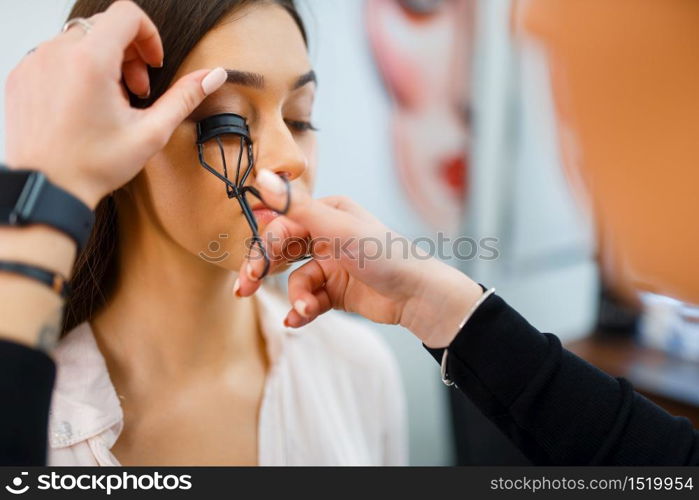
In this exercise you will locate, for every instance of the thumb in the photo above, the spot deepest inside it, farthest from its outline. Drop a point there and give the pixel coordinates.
(180, 100)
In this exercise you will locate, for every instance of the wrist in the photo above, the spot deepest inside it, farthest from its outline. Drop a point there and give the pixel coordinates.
(38, 245)
(29, 198)
(31, 312)
(60, 176)
(442, 299)
(85, 193)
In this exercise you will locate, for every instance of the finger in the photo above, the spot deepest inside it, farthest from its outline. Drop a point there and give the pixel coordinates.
(136, 77)
(295, 320)
(319, 218)
(76, 32)
(275, 238)
(306, 291)
(346, 204)
(132, 53)
(161, 119)
(123, 24)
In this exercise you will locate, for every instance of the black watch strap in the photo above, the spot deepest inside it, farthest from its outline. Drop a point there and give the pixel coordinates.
(38, 201)
(55, 281)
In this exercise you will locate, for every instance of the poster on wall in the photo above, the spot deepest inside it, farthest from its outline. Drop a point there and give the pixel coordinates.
(423, 51)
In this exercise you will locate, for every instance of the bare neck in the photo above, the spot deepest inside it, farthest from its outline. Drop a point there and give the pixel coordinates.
(172, 314)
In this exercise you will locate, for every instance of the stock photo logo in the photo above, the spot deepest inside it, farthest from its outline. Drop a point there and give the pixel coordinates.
(99, 483)
(15, 487)
(213, 251)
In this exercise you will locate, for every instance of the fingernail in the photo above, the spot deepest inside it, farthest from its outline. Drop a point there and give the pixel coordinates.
(213, 80)
(250, 273)
(146, 95)
(271, 182)
(162, 63)
(301, 307)
(236, 287)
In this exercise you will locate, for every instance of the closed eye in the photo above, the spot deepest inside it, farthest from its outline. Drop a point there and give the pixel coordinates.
(300, 126)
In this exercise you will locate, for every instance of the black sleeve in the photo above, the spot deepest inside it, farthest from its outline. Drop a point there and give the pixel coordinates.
(26, 381)
(557, 408)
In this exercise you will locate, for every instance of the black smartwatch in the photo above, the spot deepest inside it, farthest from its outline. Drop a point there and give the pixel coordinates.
(28, 197)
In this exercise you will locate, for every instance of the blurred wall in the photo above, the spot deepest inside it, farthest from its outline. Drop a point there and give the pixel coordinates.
(520, 195)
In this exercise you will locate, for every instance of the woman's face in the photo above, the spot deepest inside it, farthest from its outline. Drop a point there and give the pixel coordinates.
(423, 51)
(269, 85)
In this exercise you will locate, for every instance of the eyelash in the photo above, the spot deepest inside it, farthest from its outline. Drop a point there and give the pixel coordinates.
(300, 126)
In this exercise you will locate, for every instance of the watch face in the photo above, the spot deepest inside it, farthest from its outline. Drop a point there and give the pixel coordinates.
(11, 184)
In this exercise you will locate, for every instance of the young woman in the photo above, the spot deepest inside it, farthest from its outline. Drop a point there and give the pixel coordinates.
(161, 362)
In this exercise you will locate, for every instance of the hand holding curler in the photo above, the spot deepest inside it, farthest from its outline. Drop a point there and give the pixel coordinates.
(352, 270)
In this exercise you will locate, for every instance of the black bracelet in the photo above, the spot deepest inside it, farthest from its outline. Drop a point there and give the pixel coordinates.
(55, 281)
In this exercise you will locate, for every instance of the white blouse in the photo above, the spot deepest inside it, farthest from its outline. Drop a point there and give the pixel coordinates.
(332, 396)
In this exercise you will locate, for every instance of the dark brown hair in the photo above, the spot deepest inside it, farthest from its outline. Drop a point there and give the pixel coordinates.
(181, 23)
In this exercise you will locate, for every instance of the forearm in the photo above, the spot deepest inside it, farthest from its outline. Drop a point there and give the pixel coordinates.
(31, 315)
(554, 406)
(30, 310)
(441, 299)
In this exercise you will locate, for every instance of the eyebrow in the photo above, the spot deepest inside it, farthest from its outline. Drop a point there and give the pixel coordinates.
(257, 81)
(304, 79)
(246, 78)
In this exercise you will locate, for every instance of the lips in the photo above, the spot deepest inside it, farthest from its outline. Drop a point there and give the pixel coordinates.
(264, 215)
(452, 170)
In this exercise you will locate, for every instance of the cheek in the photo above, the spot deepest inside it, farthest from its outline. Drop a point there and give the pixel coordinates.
(190, 206)
(309, 146)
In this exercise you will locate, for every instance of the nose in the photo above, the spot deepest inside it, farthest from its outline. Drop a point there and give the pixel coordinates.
(278, 151)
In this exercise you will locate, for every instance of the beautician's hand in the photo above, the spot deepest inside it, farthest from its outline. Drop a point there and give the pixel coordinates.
(352, 271)
(67, 113)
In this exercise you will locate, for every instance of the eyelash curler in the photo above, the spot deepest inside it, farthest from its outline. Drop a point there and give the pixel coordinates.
(213, 128)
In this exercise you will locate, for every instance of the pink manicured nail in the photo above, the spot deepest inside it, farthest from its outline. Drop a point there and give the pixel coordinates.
(249, 272)
(301, 307)
(236, 287)
(271, 181)
(213, 80)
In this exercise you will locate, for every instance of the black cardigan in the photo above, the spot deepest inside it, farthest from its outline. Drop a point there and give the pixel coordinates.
(557, 408)
(26, 382)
